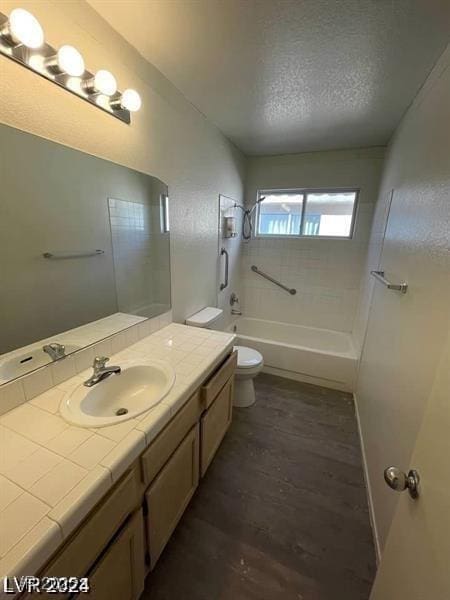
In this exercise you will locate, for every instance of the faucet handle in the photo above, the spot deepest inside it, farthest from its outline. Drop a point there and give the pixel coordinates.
(58, 347)
(234, 299)
(100, 362)
(55, 351)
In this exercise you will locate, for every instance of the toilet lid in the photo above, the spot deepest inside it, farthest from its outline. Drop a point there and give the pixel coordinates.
(247, 357)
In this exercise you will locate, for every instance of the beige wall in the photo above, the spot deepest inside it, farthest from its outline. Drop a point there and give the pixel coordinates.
(326, 273)
(168, 138)
(406, 334)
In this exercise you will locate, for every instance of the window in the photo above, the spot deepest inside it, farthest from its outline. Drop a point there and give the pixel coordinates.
(308, 213)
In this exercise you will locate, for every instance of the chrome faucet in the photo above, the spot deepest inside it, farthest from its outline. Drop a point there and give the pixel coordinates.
(234, 300)
(101, 371)
(55, 351)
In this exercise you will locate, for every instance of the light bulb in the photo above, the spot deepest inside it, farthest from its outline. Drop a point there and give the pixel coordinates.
(70, 61)
(25, 28)
(131, 100)
(105, 82)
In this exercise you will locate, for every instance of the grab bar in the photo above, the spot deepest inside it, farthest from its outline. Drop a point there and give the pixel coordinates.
(227, 259)
(255, 269)
(56, 255)
(398, 287)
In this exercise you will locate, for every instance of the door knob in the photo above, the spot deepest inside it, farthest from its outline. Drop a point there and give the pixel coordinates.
(399, 481)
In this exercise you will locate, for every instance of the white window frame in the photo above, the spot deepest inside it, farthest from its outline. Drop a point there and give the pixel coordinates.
(305, 192)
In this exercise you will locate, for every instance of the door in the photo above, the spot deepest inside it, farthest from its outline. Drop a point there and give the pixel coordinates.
(417, 552)
(215, 423)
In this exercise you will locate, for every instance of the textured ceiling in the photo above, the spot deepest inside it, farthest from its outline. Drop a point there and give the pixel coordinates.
(280, 76)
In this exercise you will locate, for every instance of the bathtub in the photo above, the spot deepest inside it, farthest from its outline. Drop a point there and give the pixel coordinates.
(318, 356)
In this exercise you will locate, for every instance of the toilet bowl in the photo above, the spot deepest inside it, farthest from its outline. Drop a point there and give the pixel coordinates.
(249, 361)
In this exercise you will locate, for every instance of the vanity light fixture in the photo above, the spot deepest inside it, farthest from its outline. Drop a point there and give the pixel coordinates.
(67, 60)
(22, 40)
(22, 28)
(103, 82)
(129, 100)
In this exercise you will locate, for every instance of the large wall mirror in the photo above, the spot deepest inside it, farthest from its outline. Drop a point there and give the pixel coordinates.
(84, 249)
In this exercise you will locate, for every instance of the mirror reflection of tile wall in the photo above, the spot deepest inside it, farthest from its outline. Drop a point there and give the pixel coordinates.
(136, 228)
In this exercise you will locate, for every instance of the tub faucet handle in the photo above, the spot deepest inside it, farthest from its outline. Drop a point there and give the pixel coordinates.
(234, 299)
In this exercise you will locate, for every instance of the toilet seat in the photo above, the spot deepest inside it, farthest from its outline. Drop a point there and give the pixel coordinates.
(248, 358)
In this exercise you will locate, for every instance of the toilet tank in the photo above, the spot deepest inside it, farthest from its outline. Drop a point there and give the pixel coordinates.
(205, 317)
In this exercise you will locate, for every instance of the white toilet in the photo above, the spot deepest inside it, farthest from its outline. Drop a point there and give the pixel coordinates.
(250, 361)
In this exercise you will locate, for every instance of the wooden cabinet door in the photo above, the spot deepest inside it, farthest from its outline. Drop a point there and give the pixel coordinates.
(215, 383)
(214, 424)
(81, 552)
(120, 573)
(170, 493)
(160, 450)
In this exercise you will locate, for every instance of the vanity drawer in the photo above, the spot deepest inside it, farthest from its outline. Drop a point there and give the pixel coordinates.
(170, 493)
(120, 573)
(218, 379)
(160, 450)
(214, 424)
(81, 551)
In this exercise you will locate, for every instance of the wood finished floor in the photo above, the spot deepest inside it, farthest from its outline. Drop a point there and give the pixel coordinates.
(281, 512)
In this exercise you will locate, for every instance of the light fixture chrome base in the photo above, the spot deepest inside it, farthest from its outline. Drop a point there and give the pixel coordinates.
(36, 61)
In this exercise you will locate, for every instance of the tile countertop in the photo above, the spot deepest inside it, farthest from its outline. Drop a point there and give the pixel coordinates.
(53, 473)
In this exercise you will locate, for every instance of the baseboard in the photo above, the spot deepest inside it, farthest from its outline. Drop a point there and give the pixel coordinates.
(373, 522)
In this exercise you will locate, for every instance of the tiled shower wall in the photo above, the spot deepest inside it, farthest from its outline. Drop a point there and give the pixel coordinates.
(326, 273)
(131, 230)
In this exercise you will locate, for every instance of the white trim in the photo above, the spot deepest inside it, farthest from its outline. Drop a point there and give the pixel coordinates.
(302, 377)
(373, 522)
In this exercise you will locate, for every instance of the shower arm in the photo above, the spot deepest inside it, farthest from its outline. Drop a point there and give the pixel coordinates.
(247, 219)
(249, 210)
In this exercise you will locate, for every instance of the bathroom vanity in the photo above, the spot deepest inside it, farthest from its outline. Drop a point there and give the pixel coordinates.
(126, 532)
(116, 537)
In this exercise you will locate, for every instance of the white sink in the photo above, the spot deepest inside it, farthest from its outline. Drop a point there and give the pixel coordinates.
(119, 397)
